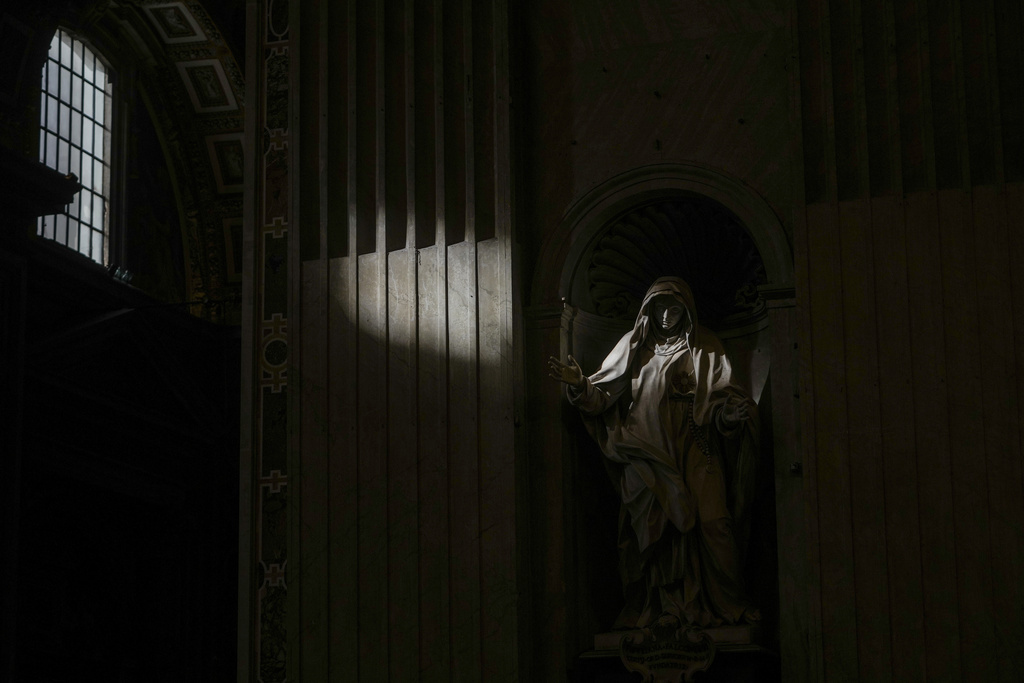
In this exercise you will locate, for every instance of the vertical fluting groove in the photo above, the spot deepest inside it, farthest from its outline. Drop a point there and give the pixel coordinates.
(454, 111)
(801, 652)
(472, 297)
(866, 491)
(868, 484)
(1014, 207)
(462, 295)
(959, 282)
(948, 204)
(412, 111)
(978, 120)
(365, 140)
(483, 109)
(440, 129)
(312, 343)
(802, 658)
(323, 113)
(424, 126)
(879, 78)
(498, 485)
(909, 94)
(346, 604)
(861, 137)
(434, 462)
(994, 121)
(468, 86)
(932, 446)
(828, 97)
(353, 92)
(511, 645)
(994, 278)
(839, 655)
(400, 310)
(848, 94)
(903, 561)
(394, 114)
(993, 303)
(892, 98)
(379, 344)
(380, 130)
(836, 551)
(949, 163)
(448, 59)
(972, 518)
(486, 270)
(892, 101)
(898, 429)
(1010, 58)
(901, 592)
(502, 135)
(812, 102)
(464, 459)
(325, 174)
(307, 129)
(923, 65)
(337, 118)
(363, 16)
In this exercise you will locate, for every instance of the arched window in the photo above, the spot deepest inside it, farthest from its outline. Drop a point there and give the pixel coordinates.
(75, 117)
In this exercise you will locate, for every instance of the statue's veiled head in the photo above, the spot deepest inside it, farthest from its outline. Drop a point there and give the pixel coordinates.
(667, 312)
(669, 307)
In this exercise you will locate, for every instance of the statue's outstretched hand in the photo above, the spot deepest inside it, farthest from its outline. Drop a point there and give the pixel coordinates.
(570, 373)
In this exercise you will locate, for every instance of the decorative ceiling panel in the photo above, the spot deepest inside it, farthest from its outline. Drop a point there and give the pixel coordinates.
(207, 86)
(175, 24)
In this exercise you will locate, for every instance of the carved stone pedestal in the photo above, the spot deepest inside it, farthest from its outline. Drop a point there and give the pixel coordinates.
(733, 654)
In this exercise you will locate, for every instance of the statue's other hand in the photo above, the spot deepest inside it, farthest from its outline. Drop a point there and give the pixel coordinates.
(570, 372)
(733, 414)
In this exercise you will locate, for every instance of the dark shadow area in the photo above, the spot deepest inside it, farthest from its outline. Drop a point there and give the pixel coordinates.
(123, 533)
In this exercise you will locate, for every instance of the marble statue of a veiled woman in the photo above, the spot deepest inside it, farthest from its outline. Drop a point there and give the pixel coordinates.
(679, 440)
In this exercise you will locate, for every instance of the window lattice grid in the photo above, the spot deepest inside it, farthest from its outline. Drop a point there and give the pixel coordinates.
(75, 118)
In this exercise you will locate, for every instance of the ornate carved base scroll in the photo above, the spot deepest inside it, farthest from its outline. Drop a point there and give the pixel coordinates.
(665, 654)
(671, 654)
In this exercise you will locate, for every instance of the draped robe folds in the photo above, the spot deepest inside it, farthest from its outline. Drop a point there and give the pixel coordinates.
(684, 476)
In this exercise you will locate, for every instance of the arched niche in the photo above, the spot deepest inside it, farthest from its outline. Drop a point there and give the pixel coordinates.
(676, 219)
(723, 238)
(594, 209)
(682, 234)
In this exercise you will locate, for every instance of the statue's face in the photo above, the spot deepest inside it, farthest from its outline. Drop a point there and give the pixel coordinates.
(667, 312)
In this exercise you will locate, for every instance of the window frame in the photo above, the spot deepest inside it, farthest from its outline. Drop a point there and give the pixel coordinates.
(119, 81)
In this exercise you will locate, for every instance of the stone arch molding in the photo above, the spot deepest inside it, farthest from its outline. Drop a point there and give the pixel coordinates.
(586, 218)
(625, 230)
